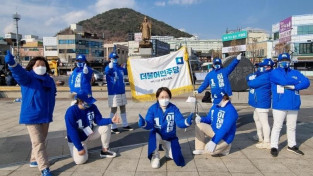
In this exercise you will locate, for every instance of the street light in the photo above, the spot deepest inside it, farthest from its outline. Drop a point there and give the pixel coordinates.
(17, 17)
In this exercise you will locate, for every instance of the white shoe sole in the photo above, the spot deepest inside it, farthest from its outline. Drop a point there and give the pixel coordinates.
(108, 156)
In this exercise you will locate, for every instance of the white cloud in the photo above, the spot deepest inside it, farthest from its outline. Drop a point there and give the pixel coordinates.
(9, 28)
(183, 2)
(105, 5)
(46, 18)
(75, 16)
(160, 3)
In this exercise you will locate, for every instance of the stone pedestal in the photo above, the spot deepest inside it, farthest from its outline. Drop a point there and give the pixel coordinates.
(145, 52)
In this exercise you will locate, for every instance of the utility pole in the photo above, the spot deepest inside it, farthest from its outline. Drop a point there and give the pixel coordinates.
(17, 17)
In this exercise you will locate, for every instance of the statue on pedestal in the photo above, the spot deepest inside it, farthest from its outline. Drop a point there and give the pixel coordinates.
(145, 28)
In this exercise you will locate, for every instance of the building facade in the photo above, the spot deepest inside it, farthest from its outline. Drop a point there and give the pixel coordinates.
(253, 43)
(295, 35)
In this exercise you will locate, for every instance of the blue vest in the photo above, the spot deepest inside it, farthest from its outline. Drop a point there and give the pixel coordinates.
(79, 81)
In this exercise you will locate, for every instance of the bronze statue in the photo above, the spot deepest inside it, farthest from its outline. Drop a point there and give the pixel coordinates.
(146, 31)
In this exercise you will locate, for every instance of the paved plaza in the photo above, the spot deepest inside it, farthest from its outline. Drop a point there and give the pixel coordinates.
(244, 158)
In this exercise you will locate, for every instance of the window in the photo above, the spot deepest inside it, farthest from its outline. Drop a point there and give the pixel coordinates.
(304, 30)
(66, 41)
(305, 48)
(276, 35)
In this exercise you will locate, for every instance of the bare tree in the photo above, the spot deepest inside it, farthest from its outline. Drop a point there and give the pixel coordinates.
(234, 48)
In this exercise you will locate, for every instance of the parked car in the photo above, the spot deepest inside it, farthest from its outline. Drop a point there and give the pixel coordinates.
(99, 78)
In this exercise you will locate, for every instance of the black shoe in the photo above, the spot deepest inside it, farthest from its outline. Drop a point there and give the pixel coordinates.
(107, 154)
(128, 128)
(274, 152)
(115, 131)
(295, 150)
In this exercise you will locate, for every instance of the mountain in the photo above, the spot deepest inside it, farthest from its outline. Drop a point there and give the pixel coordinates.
(117, 24)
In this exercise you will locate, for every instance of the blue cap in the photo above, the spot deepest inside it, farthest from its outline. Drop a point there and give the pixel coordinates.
(113, 55)
(283, 56)
(81, 57)
(217, 97)
(266, 62)
(217, 61)
(84, 96)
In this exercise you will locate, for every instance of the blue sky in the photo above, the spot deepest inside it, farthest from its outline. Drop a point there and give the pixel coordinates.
(207, 19)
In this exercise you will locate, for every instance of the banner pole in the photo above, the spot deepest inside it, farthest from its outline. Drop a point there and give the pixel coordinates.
(193, 83)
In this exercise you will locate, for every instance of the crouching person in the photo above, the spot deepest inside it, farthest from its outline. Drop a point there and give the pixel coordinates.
(80, 122)
(162, 118)
(219, 125)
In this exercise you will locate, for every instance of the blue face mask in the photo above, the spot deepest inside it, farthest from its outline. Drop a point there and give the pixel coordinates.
(218, 66)
(86, 105)
(114, 61)
(80, 64)
(284, 64)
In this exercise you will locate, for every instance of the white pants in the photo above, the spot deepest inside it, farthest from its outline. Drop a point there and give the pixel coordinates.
(99, 131)
(167, 147)
(260, 117)
(279, 117)
(202, 130)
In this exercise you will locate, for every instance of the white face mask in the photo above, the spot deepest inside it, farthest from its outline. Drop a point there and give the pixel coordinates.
(40, 70)
(164, 102)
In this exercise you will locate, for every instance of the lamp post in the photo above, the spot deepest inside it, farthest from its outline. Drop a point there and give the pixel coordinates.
(17, 17)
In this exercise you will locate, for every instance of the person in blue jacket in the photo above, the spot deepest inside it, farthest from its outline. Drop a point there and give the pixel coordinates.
(286, 84)
(81, 77)
(161, 119)
(116, 91)
(84, 123)
(260, 97)
(218, 78)
(38, 100)
(219, 125)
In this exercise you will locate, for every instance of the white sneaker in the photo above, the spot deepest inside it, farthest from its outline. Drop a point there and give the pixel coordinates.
(155, 162)
(263, 145)
(198, 152)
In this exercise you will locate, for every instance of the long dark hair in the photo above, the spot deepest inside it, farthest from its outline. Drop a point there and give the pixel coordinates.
(32, 62)
(163, 89)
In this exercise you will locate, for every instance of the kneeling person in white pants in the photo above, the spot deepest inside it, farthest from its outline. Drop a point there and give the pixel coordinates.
(80, 119)
(219, 125)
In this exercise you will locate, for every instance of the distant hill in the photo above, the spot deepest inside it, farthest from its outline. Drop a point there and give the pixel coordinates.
(116, 24)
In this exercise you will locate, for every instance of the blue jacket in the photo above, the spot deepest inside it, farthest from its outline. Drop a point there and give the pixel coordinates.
(287, 99)
(218, 79)
(77, 119)
(165, 125)
(260, 90)
(115, 79)
(79, 81)
(223, 122)
(38, 96)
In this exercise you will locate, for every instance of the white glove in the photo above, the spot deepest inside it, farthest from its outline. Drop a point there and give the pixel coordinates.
(239, 57)
(85, 69)
(111, 64)
(252, 77)
(195, 92)
(198, 119)
(290, 87)
(210, 146)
